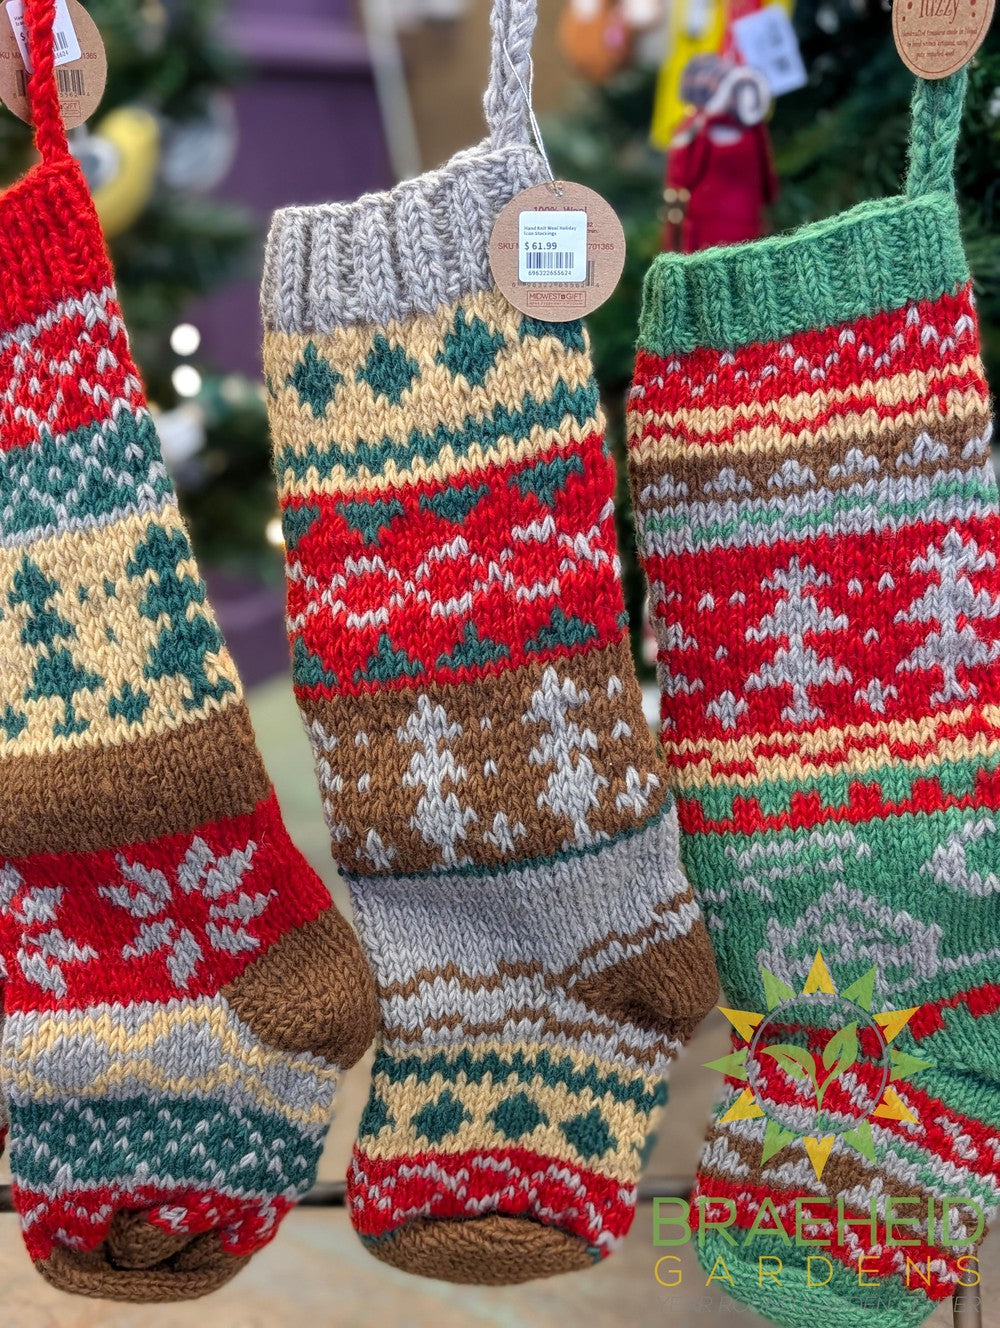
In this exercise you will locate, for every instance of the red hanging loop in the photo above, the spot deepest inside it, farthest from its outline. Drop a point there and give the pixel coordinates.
(43, 94)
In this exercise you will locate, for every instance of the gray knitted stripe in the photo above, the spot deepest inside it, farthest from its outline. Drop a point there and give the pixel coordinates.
(70, 1054)
(545, 914)
(390, 255)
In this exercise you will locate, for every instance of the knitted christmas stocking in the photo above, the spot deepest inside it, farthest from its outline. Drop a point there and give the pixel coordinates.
(179, 992)
(809, 443)
(460, 658)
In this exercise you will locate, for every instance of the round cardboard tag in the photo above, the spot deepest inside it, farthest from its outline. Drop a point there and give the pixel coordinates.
(935, 38)
(80, 82)
(557, 251)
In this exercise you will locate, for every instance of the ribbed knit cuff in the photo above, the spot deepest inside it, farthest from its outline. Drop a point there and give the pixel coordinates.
(875, 258)
(420, 245)
(51, 246)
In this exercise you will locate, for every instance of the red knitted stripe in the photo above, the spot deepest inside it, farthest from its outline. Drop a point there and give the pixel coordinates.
(181, 881)
(513, 1181)
(421, 577)
(731, 601)
(919, 340)
(75, 373)
(864, 803)
(81, 1219)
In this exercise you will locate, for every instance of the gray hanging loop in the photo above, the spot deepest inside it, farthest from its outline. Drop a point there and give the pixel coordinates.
(512, 23)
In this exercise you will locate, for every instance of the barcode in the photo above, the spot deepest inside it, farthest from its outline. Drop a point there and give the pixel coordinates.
(68, 81)
(558, 260)
(60, 41)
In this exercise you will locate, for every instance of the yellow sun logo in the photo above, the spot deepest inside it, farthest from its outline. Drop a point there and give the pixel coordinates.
(817, 1010)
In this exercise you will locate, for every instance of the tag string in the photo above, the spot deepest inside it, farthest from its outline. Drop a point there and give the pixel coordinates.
(526, 93)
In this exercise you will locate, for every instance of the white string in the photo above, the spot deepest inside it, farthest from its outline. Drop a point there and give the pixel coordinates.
(526, 93)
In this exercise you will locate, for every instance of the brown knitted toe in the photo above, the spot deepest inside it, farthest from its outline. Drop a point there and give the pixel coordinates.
(487, 1251)
(311, 991)
(123, 1267)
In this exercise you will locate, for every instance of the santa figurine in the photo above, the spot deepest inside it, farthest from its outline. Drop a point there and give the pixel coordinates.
(720, 173)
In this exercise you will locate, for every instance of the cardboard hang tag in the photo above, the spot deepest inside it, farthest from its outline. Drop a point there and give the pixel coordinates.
(936, 38)
(557, 251)
(80, 81)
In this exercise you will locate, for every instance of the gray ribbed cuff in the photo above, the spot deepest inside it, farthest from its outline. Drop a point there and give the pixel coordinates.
(420, 245)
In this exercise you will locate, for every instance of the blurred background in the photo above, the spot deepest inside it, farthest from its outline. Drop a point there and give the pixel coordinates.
(702, 122)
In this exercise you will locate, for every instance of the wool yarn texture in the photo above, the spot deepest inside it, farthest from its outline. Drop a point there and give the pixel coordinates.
(809, 448)
(180, 995)
(492, 790)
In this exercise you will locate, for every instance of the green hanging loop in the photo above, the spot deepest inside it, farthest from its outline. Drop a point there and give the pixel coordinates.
(936, 120)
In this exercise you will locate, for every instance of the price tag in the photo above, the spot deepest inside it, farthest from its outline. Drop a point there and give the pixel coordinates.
(82, 64)
(64, 37)
(552, 246)
(936, 38)
(767, 41)
(557, 251)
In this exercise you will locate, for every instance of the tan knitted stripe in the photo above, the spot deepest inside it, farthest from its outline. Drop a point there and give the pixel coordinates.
(108, 639)
(891, 392)
(508, 451)
(836, 461)
(357, 414)
(372, 764)
(628, 1125)
(81, 799)
(816, 752)
(959, 407)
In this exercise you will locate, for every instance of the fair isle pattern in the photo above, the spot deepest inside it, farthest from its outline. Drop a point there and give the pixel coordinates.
(179, 993)
(490, 785)
(818, 522)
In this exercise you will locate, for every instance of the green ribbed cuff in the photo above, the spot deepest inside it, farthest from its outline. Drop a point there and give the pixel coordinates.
(875, 258)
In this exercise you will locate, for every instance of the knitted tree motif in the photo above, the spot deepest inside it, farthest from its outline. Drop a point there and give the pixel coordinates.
(56, 673)
(951, 606)
(795, 621)
(573, 786)
(440, 816)
(188, 636)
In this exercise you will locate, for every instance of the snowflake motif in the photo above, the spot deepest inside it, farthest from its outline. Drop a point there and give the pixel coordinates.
(147, 896)
(44, 947)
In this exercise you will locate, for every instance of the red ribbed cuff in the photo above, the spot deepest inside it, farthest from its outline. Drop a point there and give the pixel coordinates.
(51, 244)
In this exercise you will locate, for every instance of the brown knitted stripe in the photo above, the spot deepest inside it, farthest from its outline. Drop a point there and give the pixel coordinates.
(826, 455)
(88, 798)
(371, 784)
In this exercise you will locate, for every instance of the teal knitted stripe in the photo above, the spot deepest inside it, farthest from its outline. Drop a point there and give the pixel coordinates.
(875, 258)
(478, 1067)
(200, 1143)
(370, 457)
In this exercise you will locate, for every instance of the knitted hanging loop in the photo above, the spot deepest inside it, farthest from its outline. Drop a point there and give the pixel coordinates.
(461, 660)
(935, 125)
(43, 94)
(179, 993)
(816, 509)
(512, 24)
